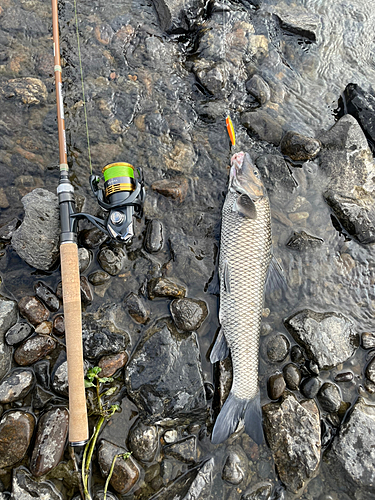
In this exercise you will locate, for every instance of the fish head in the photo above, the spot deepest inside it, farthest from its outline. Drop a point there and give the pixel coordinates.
(245, 178)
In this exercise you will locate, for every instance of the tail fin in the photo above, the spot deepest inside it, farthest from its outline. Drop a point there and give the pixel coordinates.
(235, 409)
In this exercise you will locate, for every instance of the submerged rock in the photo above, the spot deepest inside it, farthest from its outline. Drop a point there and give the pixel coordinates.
(277, 347)
(188, 314)
(175, 189)
(303, 241)
(329, 397)
(292, 376)
(25, 488)
(329, 338)
(37, 239)
(184, 450)
(261, 491)
(143, 441)
(18, 333)
(298, 20)
(98, 344)
(299, 147)
(293, 433)
(16, 431)
(178, 15)
(164, 287)
(34, 349)
(47, 296)
(346, 133)
(110, 364)
(164, 377)
(154, 236)
(112, 260)
(262, 125)
(235, 466)
(16, 385)
(276, 386)
(310, 387)
(137, 308)
(28, 90)
(259, 89)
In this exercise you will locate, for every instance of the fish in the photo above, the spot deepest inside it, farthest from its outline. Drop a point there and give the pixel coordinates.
(244, 261)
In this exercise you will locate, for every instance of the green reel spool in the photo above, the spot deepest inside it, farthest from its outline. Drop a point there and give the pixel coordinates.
(118, 178)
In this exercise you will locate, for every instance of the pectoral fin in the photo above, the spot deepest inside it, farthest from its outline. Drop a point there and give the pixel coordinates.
(226, 277)
(275, 277)
(245, 206)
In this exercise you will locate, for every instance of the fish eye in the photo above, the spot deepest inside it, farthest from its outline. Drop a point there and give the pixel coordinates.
(256, 173)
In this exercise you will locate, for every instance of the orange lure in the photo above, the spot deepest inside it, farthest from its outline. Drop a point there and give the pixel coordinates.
(230, 128)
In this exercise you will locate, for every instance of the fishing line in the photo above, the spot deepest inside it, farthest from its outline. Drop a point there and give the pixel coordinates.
(228, 121)
(83, 86)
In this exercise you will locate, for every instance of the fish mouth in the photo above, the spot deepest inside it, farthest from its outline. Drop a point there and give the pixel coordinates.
(236, 164)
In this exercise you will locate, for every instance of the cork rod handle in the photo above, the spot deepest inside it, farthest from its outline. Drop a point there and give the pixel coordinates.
(78, 426)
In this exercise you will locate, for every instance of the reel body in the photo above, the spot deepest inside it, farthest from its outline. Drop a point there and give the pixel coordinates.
(122, 198)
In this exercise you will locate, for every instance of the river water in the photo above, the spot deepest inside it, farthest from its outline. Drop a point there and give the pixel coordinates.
(146, 106)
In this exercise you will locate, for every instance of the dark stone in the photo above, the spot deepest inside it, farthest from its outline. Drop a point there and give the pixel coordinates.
(16, 431)
(137, 308)
(16, 385)
(164, 287)
(370, 370)
(34, 349)
(47, 296)
(210, 390)
(86, 293)
(296, 355)
(276, 174)
(344, 377)
(277, 347)
(329, 338)
(8, 318)
(261, 491)
(172, 188)
(112, 260)
(184, 450)
(7, 230)
(261, 124)
(154, 239)
(125, 472)
(329, 397)
(143, 441)
(164, 377)
(368, 340)
(59, 375)
(176, 16)
(41, 398)
(85, 258)
(110, 364)
(302, 241)
(310, 387)
(312, 367)
(92, 238)
(299, 21)
(104, 343)
(59, 325)
(299, 147)
(276, 386)
(25, 488)
(33, 310)
(156, 124)
(18, 333)
(293, 430)
(98, 278)
(50, 441)
(188, 314)
(27, 90)
(345, 134)
(37, 239)
(235, 466)
(258, 88)
(42, 373)
(292, 376)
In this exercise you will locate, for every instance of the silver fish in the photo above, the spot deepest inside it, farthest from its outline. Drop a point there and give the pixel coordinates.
(245, 256)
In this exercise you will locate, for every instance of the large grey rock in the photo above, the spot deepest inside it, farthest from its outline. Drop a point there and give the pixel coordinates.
(25, 488)
(37, 239)
(354, 447)
(293, 433)
(329, 338)
(345, 134)
(164, 378)
(8, 318)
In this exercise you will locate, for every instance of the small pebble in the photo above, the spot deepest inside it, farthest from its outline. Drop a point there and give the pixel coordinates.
(154, 236)
(292, 376)
(344, 377)
(170, 436)
(92, 238)
(296, 355)
(368, 340)
(235, 466)
(310, 387)
(312, 366)
(299, 147)
(16, 431)
(261, 491)
(112, 260)
(34, 349)
(276, 386)
(164, 287)
(42, 373)
(176, 189)
(16, 385)
(98, 278)
(143, 441)
(210, 390)
(370, 387)
(84, 257)
(45, 328)
(188, 314)
(137, 308)
(18, 333)
(110, 364)
(184, 450)
(329, 397)
(33, 310)
(277, 348)
(258, 88)
(47, 296)
(59, 325)
(370, 370)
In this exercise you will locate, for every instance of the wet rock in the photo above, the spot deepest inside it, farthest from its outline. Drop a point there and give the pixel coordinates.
(28, 90)
(354, 447)
(259, 89)
(34, 349)
(312, 367)
(293, 433)
(154, 236)
(296, 354)
(188, 314)
(42, 373)
(368, 340)
(170, 436)
(164, 287)
(25, 488)
(261, 491)
(92, 238)
(50, 441)
(16, 431)
(299, 147)
(213, 77)
(370, 370)
(172, 188)
(112, 260)
(45, 328)
(298, 20)
(16, 385)
(59, 325)
(275, 173)
(37, 239)
(99, 344)
(184, 450)
(33, 310)
(47, 296)
(329, 397)
(86, 293)
(99, 495)
(137, 308)
(164, 377)
(143, 441)
(310, 387)
(344, 377)
(110, 364)
(303, 241)
(85, 258)
(276, 386)
(125, 472)
(178, 16)
(210, 390)
(235, 466)
(277, 348)
(263, 126)
(7, 230)
(18, 333)
(329, 338)
(59, 376)
(345, 134)
(98, 278)
(292, 376)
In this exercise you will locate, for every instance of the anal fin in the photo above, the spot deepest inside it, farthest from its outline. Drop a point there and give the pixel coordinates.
(220, 349)
(275, 277)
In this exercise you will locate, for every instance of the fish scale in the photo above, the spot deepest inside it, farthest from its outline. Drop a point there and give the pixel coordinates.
(246, 247)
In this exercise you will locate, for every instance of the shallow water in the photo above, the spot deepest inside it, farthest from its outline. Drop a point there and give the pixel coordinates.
(145, 106)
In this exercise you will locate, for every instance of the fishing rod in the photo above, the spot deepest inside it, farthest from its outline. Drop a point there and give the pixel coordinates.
(121, 199)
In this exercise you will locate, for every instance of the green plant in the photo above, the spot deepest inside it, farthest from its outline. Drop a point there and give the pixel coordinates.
(125, 456)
